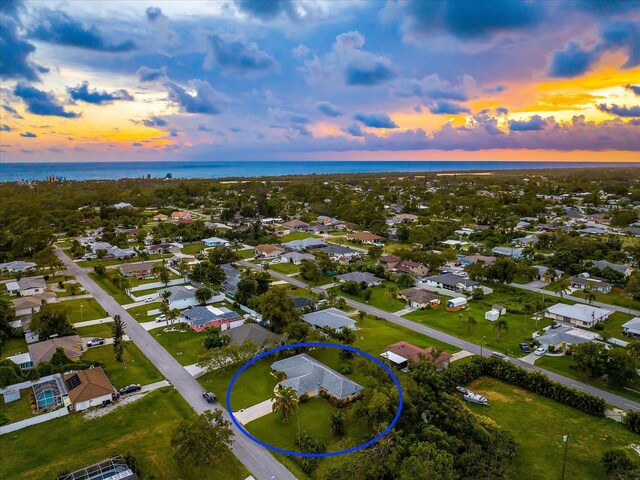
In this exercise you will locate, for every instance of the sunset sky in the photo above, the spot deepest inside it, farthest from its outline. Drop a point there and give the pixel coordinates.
(280, 79)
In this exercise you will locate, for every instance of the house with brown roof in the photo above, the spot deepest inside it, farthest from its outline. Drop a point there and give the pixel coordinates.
(137, 270)
(389, 261)
(403, 353)
(364, 237)
(419, 298)
(296, 224)
(32, 303)
(161, 217)
(180, 215)
(88, 388)
(43, 351)
(268, 251)
(413, 268)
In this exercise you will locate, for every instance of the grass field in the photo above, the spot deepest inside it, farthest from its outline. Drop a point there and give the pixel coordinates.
(378, 299)
(114, 261)
(90, 310)
(136, 367)
(246, 253)
(140, 312)
(99, 330)
(185, 345)
(540, 435)
(563, 366)
(297, 236)
(18, 410)
(142, 428)
(613, 325)
(193, 248)
(13, 346)
(616, 297)
(286, 268)
(117, 294)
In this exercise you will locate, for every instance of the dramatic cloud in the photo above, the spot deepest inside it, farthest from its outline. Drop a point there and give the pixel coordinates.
(59, 28)
(15, 60)
(502, 111)
(621, 111)
(534, 123)
(445, 107)
(572, 61)
(329, 109)
(238, 55)
(146, 74)
(154, 122)
(435, 88)
(39, 102)
(82, 93)
(28, 135)
(360, 67)
(12, 111)
(5, 128)
(267, 10)
(375, 120)
(634, 88)
(353, 130)
(154, 13)
(206, 99)
(11, 8)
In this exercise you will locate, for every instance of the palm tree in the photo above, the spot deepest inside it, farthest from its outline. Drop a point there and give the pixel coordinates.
(560, 288)
(550, 275)
(362, 315)
(589, 295)
(173, 315)
(391, 292)
(500, 326)
(74, 288)
(470, 322)
(285, 401)
(337, 423)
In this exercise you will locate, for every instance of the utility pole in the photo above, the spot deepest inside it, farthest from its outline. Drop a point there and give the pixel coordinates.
(565, 439)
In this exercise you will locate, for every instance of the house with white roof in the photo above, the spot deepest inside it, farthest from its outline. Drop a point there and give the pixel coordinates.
(17, 266)
(329, 318)
(216, 242)
(579, 315)
(632, 328)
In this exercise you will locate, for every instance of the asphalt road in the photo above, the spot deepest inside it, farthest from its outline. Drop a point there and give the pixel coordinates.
(610, 398)
(258, 460)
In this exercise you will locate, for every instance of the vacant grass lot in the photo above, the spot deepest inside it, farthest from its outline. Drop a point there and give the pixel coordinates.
(378, 299)
(563, 366)
(140, 312)
(114, 261)
(135, 369)
(90, 310)
(297, 236)
(101, 330)
(538, 425)
(613, 325)
(117, 294)
(185, 345)
(286, 268)
(143, 428)
(246, 253)
(13, 346)
(520, 326)
(18, 410)
(193, 248)
(616, 297)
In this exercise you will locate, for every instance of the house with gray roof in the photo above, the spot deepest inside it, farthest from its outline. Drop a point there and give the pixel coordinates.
(336, 251)
(585, 281)
(618, 267)
(305, 243)
(17, 266)
(202, 317)
(329, 318)
(632, 328)
(564, 336)
(579, 315)
(450, 281)
(307, 376)
(295, 257)
(511, 252)
(254, 333)
(369, 279)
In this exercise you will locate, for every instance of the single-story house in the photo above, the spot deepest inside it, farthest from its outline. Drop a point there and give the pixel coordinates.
(182, 297)
(337, 251)
(632, 328)
(17, 266)
(419, 298)
(369, 279)
(232, 278)
(216, 242)
(180, 215)
(305, 243)
(268, 251)
(450, 281)
(31, 286)
(23, 360)
(160, 217)
(329, 318)
(469, 259)
(43, 351)
(32, 303)
(296, 225)
(138, 270)
(564, 336)
(411, 353)
(456, 304)
(579, 315)
(296, 257)
(120, 205)
(624, 269)
(165, 248)
(252, 332)
(508, 252)
(584, 281)
(307, 376)
(318, 228)
(364, 237)
(542, 270)
(529, 240)
(112, 251)
(12, 288)
(389, 261)
(201, 318)
(88, 388)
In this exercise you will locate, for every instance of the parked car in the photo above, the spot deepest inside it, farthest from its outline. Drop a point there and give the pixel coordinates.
(161, 318)
(540, 351)
(149, 299)
(555, 325)
(130, 389)
(499, 355)
(210, 397)
(94, 342)
(525, 348)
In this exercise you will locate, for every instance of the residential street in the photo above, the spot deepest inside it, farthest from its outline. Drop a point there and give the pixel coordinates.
(258, 460)
(610, 398)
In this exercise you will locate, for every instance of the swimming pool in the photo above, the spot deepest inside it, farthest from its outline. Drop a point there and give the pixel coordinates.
(46, 399)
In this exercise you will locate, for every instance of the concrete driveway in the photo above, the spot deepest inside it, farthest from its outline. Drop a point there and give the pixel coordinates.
(259, 410)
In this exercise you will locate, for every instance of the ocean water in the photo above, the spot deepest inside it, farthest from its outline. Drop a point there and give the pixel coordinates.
(222, 169)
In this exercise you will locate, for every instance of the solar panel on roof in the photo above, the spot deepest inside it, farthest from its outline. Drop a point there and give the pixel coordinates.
(72, 382)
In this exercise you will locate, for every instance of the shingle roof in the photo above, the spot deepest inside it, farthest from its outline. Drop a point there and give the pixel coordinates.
(29, 282)
(584, 313)
(365, 277)
(305, 373)
(419, 295)
(43, 351)
(93, 383)
(452, 280)
(179, 293)
(330, 317)
(250, 331)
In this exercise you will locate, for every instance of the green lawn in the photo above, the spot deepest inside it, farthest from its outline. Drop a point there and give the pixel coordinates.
(193, 248)
(134, 282)
(613, 325)
(100, 330)
(136, 367)
(185, 345)
(13, 346)
(20, 409)
(378, 299)
(117, 294)
(297, 236)
(616, 297)
(114, 261)
(90, 310)
(142, 428)
(140, 312)
(246, 253)
(538, 425)
(563, 366)
(520, 326)
(286, 268)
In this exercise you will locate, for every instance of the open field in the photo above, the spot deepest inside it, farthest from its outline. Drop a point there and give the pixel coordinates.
(117, 294)
(378, 299)
(616, 297)
(100, 330)
(286, 268)
(13, 346)
(142, 428)
(297, 236)
(185, 345)
(135, 369)
(114, 261)
(540, 436)
(18, 410)
(193, 248)
(140, 312)
(90, 309)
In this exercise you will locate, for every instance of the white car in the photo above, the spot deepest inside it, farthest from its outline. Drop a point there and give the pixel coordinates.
(540, 351)
(161, 318)
(149, 299)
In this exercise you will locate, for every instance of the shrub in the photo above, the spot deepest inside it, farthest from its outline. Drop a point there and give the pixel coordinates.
(345, 369)
(304, 398)
(599, 326)
(616, 463)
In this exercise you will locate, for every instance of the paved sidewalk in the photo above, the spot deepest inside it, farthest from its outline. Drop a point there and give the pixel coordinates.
(461, 354)
(88, 323)
(404, 311)
(259, 410)
(195, 371)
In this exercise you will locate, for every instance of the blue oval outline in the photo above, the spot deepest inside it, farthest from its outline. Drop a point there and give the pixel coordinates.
(308, 345)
